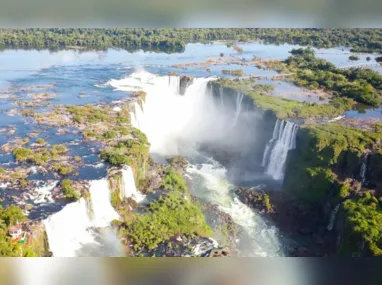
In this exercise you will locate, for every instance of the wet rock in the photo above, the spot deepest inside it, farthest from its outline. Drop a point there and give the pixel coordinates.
(305, 231)
(220, 252)
(184, 82)
(257, 199)
(179, 163)
(28, 207)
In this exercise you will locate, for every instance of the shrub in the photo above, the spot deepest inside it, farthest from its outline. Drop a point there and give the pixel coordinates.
(22, 154)
(67, 189)
(365, 217)
(169, 215)
(62, 169)
(234, 72)
(114, 157)
(12, 214)
(40, 141)
(174, 181)
(122, 130)
(28, 113)
(141, 136)
(59, 149)
(353, 57)
(109, 134)
(89, 134)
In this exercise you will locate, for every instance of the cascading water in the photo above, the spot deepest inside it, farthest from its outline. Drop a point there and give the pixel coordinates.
(174, 83)
(43, 194)
(332, 219)
(270, 144)
(210, 183)
(362, 173)
(102, 212)
(221, 98)
(128, 188)
(70, 229)
(172, 117)
(239, 100)
(286, 140)
(174, 124)
(67, 230)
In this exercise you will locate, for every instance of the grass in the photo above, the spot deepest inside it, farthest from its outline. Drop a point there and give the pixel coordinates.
(285, 108)
(172, 213)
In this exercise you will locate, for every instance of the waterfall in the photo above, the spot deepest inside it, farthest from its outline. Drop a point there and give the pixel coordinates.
(239, 99)
(177, 124)
(285, 141)
(128, 188)
(174, 83)
(332, 219)
(165, 107)
(69, 229)
(102, 210)
(270, 143)
(221, 98)
(362, 172)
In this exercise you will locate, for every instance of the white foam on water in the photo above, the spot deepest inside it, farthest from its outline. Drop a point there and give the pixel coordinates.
(264, 238)
(43, 194)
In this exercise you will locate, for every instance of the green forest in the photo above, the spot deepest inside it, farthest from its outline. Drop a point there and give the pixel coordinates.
(174, 40)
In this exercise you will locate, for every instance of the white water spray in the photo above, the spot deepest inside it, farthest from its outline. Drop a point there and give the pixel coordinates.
(70, 229)
(102, 210)
(210, 183)
(128, 188)
(239, 99)
(270, 144)
(43, 194)
(170, 120)
(167, 117)
(286, 140)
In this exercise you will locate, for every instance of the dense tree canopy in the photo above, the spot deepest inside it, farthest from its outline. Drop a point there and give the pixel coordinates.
(362, 85)
(170, 40)
(9, 216)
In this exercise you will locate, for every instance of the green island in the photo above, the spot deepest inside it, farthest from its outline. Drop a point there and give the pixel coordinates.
(173, 213)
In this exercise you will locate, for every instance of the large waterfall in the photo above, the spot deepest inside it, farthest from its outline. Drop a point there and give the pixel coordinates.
(128, 188)
(175, 124)
(172, 117)
(70, 229)
(276, 151)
